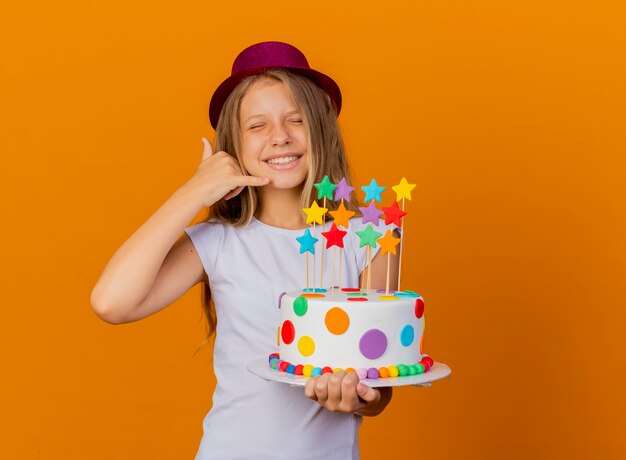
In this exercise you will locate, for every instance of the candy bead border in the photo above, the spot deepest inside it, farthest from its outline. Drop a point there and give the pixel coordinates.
(308, 370)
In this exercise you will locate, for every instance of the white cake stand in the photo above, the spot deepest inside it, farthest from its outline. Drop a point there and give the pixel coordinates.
(261, 368)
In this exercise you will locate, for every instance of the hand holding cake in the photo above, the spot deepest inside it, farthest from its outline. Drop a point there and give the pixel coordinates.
(343, 392)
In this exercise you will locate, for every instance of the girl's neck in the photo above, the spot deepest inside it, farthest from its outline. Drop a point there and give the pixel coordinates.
(281, 208)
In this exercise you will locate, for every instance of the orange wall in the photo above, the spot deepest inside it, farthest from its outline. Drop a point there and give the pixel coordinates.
(510, 117)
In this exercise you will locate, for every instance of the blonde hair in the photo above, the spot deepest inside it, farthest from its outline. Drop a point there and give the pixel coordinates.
(325, 146)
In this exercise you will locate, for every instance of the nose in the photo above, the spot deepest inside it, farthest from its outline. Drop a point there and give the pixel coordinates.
(280, 134)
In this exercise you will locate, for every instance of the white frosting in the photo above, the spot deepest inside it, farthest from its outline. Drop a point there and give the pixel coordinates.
(343, 350)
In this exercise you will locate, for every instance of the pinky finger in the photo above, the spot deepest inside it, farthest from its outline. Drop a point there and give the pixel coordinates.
(309, 389)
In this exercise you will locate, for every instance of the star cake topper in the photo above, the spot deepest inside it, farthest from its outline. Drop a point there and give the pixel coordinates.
(314, 213)
(393, 214)
(369, 236)
(334, 237)
(388, 243)
(403, 189)
(371, 213)
(342, 215)
(343, 190)
(373, 191)
(325, 188)
(307, 242)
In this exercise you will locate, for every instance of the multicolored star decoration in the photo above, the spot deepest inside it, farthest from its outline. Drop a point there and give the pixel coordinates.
(368, 236)
(388, 243)
(342, 215)
(403, 189)
(307, 242)
(373, 191)
(343, 190)
(334, 237)
(371, 213)
(314, 213)
(325, 189)
(393, 214)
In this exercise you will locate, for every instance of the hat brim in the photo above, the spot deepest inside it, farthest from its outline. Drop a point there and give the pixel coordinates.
(227, 86)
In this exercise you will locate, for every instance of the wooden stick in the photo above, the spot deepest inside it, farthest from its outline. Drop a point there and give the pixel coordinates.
(369, 268)
(340, 259)
(334, 258)
(388, 269)
(323, 247)
(314, 257)
(363, 274)
(401, 240)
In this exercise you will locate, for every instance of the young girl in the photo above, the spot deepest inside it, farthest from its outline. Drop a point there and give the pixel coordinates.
(276, 136)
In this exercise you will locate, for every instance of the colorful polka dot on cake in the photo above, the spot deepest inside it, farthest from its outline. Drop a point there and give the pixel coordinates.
(407, 335)
(288, 332)
(419, 308)
(337, 321)
(306, 345)
(373, 344)
(300, 306)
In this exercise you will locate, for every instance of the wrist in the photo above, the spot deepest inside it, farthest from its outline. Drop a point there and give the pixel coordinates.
(190, 195)
(374, 409)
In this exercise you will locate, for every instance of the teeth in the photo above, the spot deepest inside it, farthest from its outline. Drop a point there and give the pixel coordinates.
(282, 161)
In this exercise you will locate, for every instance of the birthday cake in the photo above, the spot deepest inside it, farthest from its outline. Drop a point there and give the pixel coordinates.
(365, 331)
(375, 333)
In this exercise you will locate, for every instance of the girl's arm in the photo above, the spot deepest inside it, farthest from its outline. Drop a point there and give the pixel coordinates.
(342, 392)
(152, 269)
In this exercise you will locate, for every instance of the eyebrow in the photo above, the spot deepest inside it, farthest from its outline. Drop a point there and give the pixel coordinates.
(291, 112)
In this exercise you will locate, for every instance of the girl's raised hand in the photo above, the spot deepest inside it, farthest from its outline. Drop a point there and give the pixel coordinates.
(219, 176)
(343, 392)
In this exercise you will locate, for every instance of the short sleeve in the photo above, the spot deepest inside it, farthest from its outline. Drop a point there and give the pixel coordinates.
(207, 239)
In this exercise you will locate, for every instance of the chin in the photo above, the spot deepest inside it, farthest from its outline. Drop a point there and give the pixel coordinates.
(286, 185)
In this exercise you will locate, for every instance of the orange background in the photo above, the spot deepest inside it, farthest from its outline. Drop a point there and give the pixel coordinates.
(510, 118)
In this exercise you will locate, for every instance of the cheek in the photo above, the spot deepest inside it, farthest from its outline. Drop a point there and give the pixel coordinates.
(251, 151)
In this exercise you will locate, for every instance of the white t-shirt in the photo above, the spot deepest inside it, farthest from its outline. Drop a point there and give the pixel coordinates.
(248, 269)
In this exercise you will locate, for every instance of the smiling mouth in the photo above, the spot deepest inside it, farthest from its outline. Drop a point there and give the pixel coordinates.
(283, 160)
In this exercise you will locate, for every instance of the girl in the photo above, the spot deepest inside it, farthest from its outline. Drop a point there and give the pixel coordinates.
(276, 136)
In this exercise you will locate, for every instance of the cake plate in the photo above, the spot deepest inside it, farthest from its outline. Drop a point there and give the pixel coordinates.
(261, 368)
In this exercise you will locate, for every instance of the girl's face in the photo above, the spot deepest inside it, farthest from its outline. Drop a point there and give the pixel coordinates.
(273, 135)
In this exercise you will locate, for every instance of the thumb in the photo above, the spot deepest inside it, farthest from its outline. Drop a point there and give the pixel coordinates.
(367, 393)
(208, 150)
